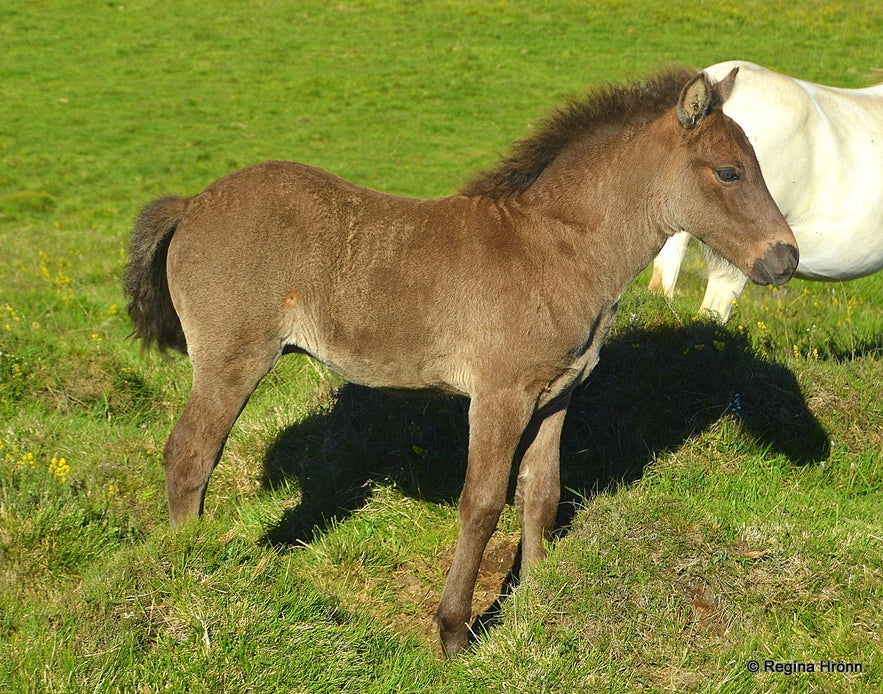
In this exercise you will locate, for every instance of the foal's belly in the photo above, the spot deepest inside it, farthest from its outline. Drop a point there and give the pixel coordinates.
(383, 358)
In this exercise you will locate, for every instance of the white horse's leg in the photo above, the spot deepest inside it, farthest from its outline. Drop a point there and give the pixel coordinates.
(725, 285)
(667, 264)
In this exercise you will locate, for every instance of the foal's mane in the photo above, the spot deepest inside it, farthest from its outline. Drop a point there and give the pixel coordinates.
(610, 106)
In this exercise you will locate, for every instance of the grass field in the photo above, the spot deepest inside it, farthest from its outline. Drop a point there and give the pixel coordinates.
(722, 485)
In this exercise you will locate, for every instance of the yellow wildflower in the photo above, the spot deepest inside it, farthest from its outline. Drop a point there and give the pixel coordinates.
(60, 469)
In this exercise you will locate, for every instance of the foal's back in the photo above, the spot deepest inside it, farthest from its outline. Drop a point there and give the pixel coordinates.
(388, 291)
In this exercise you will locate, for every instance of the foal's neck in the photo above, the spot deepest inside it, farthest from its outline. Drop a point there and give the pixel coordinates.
(605, 199)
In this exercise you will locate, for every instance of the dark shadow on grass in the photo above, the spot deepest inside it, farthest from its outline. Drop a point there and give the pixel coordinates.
(652, 390)
(415, 443)
(655, 389)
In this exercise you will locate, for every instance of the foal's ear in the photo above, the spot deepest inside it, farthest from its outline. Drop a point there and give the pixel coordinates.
(697, 99)
(725, 87)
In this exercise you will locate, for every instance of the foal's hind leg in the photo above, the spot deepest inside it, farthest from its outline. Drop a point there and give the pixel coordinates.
(223, 380)
(539, 486)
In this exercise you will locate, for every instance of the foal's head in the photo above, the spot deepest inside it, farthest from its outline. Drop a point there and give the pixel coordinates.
(717, 190)
(699, 174)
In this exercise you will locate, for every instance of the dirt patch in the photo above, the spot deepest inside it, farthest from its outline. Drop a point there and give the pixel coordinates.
(418, 586)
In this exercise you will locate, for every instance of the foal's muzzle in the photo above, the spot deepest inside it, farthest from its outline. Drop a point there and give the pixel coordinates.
(777, 266)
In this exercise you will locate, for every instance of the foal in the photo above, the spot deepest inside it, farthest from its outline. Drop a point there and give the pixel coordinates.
(503, 293)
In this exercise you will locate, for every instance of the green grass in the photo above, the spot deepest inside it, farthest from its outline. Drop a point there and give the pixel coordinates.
(723, 485)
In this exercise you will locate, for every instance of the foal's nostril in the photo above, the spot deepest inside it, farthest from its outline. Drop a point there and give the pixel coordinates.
(777, 266)
(790, 257)
(780, 262)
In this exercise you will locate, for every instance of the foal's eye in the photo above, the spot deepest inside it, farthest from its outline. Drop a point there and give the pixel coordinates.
(727, 174)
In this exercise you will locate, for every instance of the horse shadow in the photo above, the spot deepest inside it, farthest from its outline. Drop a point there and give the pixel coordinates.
(653, 389)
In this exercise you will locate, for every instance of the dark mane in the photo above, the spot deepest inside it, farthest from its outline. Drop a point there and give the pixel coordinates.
(617, 106)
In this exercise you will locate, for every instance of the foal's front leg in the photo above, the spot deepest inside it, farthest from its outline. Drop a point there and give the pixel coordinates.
(539, 484)
(496, 424)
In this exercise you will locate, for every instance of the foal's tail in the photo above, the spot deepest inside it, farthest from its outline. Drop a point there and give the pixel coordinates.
(146, 284)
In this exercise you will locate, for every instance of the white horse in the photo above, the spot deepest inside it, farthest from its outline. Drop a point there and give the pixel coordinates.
(821, 153)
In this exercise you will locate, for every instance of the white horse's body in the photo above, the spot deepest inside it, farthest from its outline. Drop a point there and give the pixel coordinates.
(821, 153)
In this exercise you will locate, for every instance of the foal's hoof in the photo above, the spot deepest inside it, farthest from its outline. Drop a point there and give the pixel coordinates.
(453, 638)
(452, 644)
